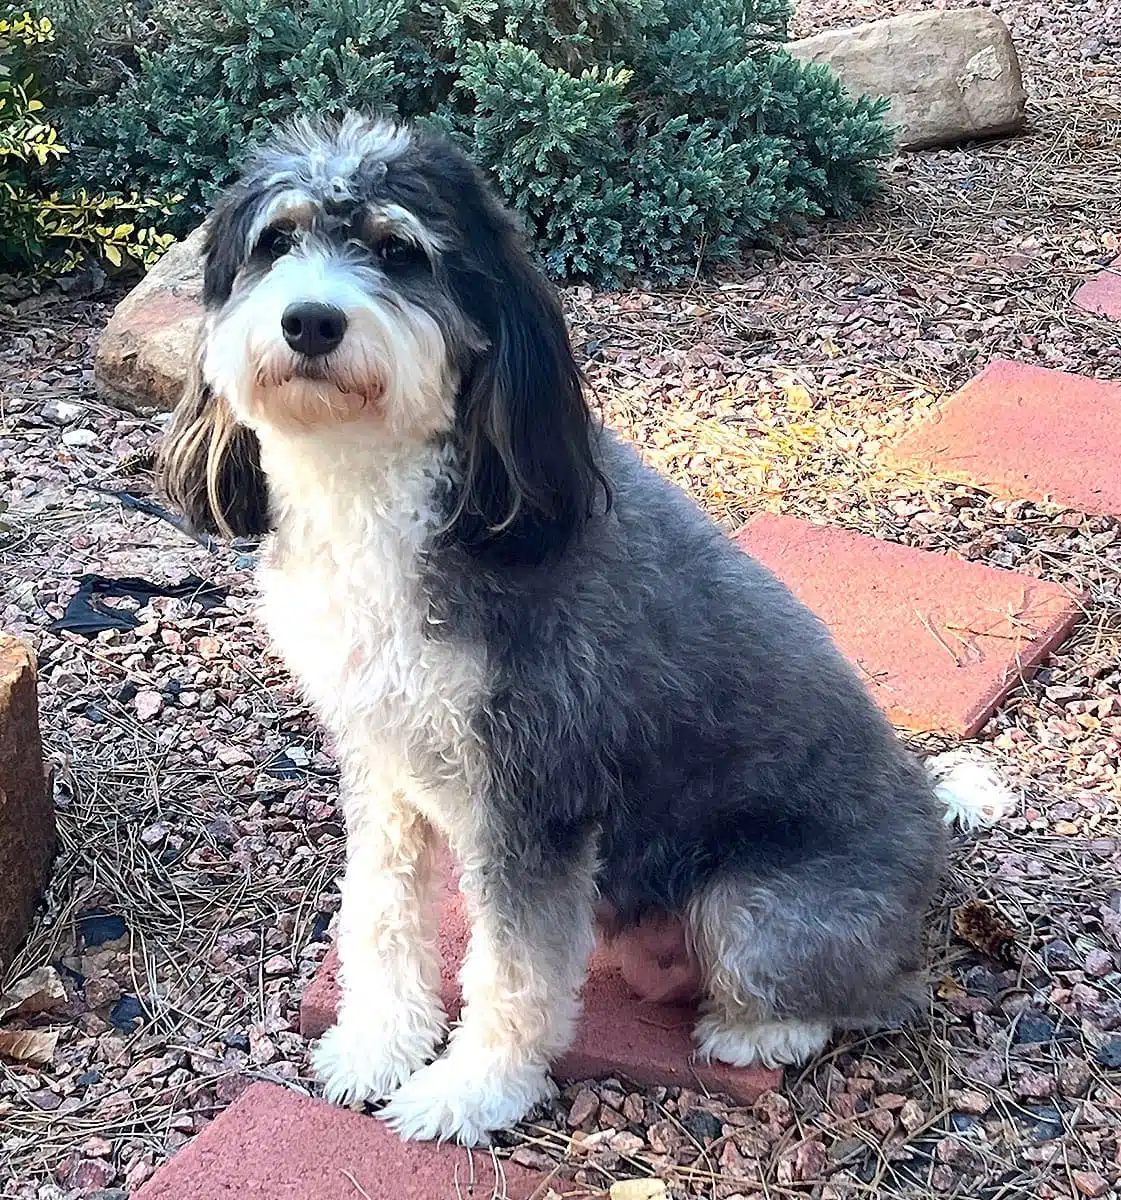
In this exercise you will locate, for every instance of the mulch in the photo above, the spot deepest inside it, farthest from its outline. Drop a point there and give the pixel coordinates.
(200, 842)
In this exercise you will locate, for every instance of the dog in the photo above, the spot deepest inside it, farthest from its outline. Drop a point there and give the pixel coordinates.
(526, 642)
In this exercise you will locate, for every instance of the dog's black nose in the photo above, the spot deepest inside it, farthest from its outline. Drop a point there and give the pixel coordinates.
(313, 329)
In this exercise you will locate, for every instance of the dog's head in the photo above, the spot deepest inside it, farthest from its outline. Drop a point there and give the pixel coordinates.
(363, 283)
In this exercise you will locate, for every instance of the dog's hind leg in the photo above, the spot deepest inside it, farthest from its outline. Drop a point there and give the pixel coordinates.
(787, 962)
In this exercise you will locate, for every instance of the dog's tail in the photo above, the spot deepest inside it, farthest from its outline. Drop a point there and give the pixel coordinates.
(973, 793)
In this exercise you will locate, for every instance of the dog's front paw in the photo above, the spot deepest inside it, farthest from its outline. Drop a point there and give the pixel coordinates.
(366, 1060)
(464, 1097)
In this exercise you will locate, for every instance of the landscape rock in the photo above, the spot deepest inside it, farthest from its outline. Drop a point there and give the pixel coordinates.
(27, 828)
(142, 356)
(950, 76)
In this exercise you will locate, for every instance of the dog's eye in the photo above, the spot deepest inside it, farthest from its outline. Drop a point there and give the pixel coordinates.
(274, 244)
(398, 254)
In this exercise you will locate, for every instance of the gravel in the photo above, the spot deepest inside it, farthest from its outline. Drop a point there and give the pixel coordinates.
(200, 841)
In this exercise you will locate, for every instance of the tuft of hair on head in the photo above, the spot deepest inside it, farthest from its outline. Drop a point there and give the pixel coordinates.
(973, 793)
(210, 465)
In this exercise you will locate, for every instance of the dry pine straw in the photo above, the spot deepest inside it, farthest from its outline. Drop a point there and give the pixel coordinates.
(773, 387)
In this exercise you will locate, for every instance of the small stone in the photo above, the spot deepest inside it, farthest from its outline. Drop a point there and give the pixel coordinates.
(912, 1117)
(263, 1050)
(953, 1152)
(154, 835)
(1109, 1053)
(634, 1109)
(584, 1110)
(44, 1099)
(1098, 964)
(1033, 1085)
(278, 965)
(1075, 1077)
(975, 1104)
(610, 1119)
(1060, 955)
(1089, 1183)
(90, 1174)
(1034, 1028)
(882, 1121)
(988, 1068)
(612, 1098)
(79, 439)
(892, 1101)
(775, 1109)
(125, 1014)
(535, 1160)
(228, 1087)
(626, 1143)
(102, 991)
(233, 756)
(810, 1161)
(1047, 1122)
(665, 1138)
(941, 1178)
(636, 1189)
(148, 704)
(703, 1126)
(61, 412)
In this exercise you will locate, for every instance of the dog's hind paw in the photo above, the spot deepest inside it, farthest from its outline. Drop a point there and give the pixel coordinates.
(768, 1043)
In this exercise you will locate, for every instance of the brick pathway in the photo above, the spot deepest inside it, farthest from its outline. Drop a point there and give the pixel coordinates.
(1102, 294)
(273, 1144)
(1026, 433)
(939, 640)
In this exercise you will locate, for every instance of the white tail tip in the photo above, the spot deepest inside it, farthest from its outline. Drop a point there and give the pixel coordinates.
(971, 790)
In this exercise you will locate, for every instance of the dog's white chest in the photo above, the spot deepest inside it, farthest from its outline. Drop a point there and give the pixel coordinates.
(350, 622)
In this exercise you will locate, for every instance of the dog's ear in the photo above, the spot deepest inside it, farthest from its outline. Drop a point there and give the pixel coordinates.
(226, 243)
(211, 465)
(531, 479)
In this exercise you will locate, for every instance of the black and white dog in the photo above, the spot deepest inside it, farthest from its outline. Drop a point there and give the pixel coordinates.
(526, 642)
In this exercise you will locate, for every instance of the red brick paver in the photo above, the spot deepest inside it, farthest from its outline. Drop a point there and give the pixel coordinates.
(939, 641)
(1102, 294)
(619, 1035)
(273, 1144)
(1025, 432)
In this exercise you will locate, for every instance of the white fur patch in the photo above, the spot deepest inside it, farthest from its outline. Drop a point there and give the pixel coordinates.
(971, 790)
(467, 1094)
(768, 1044)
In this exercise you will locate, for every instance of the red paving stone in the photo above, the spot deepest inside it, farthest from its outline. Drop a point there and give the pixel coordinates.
(1027, 433)
(619, 1035)
(1102, 294)
(938, 641)
(273, 1144)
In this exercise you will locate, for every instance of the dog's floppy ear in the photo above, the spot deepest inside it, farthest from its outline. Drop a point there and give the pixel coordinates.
(531, 479)
(226, 245)
(211, 465)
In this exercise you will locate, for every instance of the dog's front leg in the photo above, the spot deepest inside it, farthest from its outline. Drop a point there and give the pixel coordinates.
(531, 935)
(391, 1019)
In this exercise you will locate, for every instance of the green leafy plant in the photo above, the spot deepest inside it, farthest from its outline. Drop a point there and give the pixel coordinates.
(634, 136)
(41, 228)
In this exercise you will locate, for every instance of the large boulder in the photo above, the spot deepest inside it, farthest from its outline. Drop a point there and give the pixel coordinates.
(950, 76)
(142, 356)
(27, 828)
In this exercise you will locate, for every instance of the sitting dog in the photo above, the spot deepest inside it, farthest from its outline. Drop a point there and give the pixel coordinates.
(528, 643)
